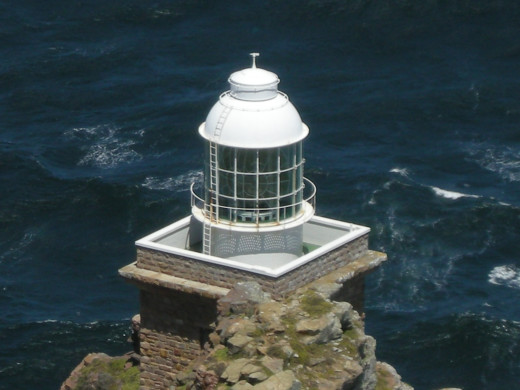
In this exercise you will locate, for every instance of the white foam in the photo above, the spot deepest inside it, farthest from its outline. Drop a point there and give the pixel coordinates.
(110, 155)
(400, 171)
(503, 161)
(178, 184)
(84, 131)
(451, 194)
(505, 275)
(107, 150)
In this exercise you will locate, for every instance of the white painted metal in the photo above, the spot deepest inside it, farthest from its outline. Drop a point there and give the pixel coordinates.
(255, 124)
(211, 208)
(257, 114)
(255, 121)
(171, 238)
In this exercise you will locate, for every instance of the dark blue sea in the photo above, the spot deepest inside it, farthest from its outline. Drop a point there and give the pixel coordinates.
(414, 112)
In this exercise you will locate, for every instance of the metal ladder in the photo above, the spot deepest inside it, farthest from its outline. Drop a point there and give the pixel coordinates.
(211, 207)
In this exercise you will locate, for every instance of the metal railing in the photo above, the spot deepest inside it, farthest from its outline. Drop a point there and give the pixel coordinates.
(257, 215)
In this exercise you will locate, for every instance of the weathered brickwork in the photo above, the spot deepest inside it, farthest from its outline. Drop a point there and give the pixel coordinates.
(226, 277)
(174, 327)
(176, 318)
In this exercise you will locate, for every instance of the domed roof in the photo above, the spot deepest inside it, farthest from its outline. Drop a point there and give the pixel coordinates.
(253, 113)
(253, 84)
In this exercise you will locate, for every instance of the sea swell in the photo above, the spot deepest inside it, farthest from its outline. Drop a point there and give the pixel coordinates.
(27, 349)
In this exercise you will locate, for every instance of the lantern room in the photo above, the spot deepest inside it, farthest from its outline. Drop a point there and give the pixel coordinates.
(255, 198)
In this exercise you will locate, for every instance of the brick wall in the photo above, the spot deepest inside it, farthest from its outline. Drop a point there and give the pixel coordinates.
(223, 276)
(174, 327)
(175, 324)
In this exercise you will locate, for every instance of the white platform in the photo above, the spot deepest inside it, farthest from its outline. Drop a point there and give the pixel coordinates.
(324, 233)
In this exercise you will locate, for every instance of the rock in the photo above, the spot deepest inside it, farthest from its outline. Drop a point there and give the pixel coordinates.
(391, 379)
(368, 362)
(270, 313)
(320, 330)
(234, 370)
(344, 312)
(242, 385)
(272, 364)
(281, 350)
(285, 380)
(214, 339)
(314, 361)
(352, 369)
(342, 373)
(256, 377)
(102, 380)
(228, 327)
(250, 368)
(242, 299)
(237, 343)
(326, 289)
(134, 337)
(324, 384)
(72, 381)
(257, 338)
(184, 377)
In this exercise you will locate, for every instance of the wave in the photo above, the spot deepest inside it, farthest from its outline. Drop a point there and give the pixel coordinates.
(110, 154)
(107, 149)
(178, 184)
(400, 171)
(451, 194)
(404, 172)
(503, 161)
(505, 275)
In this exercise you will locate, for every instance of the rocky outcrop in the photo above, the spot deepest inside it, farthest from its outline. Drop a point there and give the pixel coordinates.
(98, 371)
(307, 341)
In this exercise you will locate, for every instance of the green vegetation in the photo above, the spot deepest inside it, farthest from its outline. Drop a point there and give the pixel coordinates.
(222, 354)
(384, 380)
(308, 247)
(314, 304)
(349, 342)
(276, 351)
(307, 352)
(109, 375)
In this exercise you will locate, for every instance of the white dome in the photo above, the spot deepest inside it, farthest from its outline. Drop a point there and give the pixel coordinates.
(253, 114)
(253, 84)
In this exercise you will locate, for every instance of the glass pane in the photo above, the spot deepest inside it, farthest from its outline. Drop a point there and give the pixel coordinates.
(226, 158)
(246, 160)
(286, 207)
(268, 160)
(298, 152)
(286, 157)
(226, 184)
(246, 186)
(226, 206)
(267, 186)
(286, 182)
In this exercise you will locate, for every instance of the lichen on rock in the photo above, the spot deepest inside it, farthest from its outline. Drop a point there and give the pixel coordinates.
(307, 341)
(98, 371)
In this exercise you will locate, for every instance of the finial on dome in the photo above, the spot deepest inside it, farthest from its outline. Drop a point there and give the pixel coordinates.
(254, 55)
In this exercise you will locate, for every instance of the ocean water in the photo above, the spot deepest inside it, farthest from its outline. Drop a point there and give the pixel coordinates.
(414, 112)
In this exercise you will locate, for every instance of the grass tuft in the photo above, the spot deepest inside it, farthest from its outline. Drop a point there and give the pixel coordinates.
(110, 375)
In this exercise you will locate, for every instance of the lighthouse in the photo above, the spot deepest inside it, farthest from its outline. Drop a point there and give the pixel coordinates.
(255, 199)
(252, 220)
